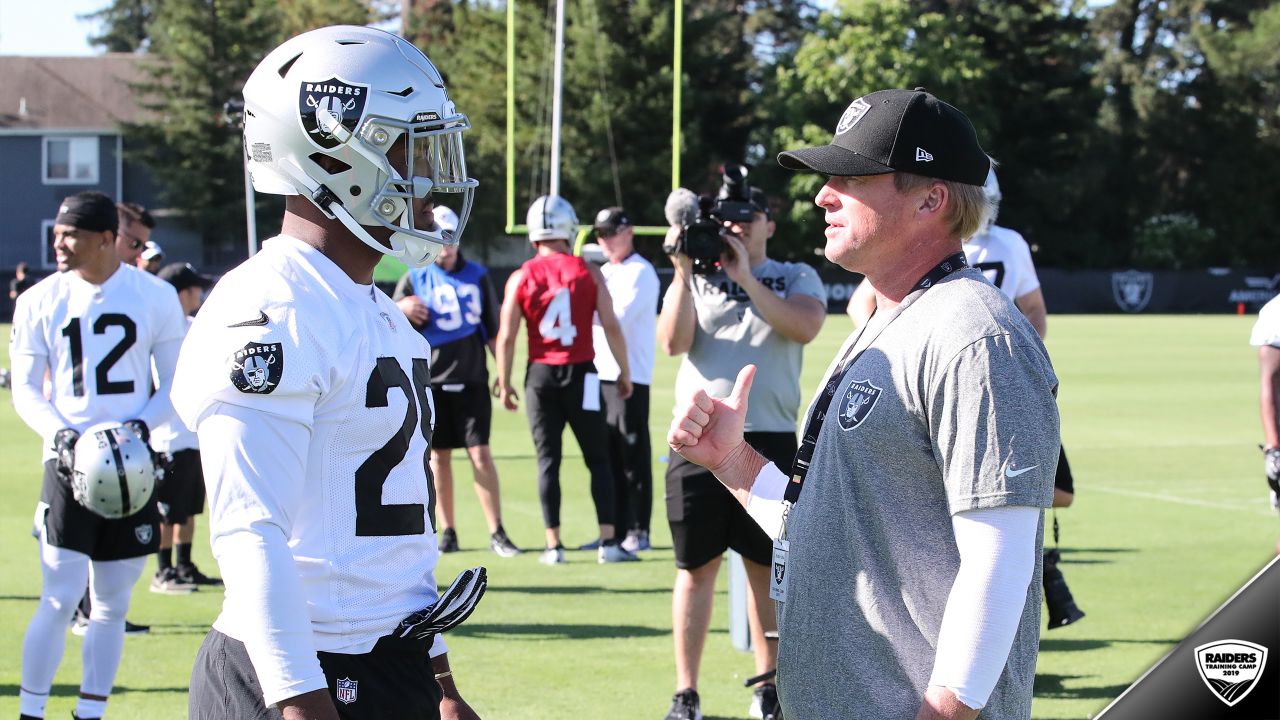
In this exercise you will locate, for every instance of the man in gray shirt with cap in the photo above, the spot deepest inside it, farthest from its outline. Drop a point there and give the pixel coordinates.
(907, 541)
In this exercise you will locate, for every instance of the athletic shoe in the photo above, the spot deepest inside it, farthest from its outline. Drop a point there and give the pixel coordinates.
(501, 544)
(764, 703)
(79, 624)
(448, 540)
(685, 706)
(552, 556)
(614, 553)
(636, 541)
(593, 545)
(167, 582)
(189, 573)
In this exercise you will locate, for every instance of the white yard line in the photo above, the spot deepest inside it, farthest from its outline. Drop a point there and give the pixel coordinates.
(1165, 497)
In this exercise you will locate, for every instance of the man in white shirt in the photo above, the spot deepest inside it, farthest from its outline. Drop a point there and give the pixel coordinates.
(1266, 337)
(633, 285)
(310, 395)
(96, 327)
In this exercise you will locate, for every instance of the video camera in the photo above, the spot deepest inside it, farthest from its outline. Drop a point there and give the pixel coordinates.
(699, 238)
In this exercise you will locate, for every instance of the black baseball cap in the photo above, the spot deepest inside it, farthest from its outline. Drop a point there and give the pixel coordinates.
(182, 276)
(898, 130)
(610, 219)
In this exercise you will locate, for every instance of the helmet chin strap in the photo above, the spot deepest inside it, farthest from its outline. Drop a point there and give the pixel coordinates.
(331, 206)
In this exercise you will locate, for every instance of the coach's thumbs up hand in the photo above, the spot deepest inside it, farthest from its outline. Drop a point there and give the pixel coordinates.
(709, 431)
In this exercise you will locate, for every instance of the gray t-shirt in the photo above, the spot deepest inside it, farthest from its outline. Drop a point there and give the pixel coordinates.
(730, 334)
(950, 408)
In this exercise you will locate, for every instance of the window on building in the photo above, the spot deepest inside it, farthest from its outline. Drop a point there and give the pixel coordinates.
(71, 160)
(46, 239)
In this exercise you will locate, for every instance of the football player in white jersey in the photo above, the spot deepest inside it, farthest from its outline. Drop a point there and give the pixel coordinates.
(310, 394)
(1266, 337)
(96, 327)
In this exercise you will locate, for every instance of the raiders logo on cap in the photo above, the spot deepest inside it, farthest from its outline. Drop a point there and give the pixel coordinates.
(257, 368)
(331, 110)
(852, 115)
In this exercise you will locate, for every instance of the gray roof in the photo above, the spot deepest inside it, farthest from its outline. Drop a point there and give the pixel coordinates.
(68, 92)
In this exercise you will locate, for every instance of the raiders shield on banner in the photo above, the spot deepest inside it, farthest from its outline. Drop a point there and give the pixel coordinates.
(858, 402)
(257, 367)
(1132, 289)
(331, 110)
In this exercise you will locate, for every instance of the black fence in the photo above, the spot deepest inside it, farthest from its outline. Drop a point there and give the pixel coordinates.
(1216, 290)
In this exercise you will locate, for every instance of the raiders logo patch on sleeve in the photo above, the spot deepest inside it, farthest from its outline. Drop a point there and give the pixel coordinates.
(257, 367)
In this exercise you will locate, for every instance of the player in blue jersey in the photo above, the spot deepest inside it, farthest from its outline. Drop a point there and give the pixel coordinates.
(453, 304)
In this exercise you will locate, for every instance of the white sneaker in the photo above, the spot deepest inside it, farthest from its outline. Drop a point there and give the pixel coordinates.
(552, 556)
(614, 553)
(636, 541)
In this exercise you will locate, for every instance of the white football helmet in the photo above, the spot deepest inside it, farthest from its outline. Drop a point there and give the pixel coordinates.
(992, 190)
(356, 95)
(551, 217)
(114, 474)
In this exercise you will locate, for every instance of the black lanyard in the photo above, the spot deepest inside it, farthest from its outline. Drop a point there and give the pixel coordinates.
(813, 425)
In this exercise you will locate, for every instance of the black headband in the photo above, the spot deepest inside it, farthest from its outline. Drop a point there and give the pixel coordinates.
(91, 211)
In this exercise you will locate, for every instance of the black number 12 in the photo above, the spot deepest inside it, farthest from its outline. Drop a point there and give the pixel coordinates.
(372, 517)
(105, 385)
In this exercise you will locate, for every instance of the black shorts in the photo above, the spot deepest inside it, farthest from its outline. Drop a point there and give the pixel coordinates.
(393, 680)
(706, 519)
(1062, 479)
(70, 526)
(464, 412)
(181, 495)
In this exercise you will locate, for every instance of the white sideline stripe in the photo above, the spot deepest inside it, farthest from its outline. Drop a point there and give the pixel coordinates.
(1181, 500)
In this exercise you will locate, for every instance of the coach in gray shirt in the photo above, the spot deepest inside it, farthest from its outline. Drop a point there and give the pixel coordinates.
(906, 563)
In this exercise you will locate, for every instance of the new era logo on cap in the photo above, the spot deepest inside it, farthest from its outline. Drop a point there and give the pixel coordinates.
(888, 130)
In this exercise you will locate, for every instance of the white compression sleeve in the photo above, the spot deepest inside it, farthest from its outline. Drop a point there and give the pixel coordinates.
(764, 504)
(997, 561)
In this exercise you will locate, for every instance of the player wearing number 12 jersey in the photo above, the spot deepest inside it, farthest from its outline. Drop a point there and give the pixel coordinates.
(557, 295)
(96, 327)
(309, 392)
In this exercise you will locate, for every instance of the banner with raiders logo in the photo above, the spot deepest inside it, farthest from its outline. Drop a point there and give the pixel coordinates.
(331, 110)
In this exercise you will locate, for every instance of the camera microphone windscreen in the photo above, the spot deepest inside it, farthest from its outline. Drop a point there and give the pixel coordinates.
(681, 207)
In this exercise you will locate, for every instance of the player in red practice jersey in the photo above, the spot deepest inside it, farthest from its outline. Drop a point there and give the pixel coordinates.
(558, 294)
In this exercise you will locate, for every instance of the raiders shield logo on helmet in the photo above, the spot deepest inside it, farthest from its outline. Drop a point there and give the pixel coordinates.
(331, 110)
(858, 402)
(257, 367)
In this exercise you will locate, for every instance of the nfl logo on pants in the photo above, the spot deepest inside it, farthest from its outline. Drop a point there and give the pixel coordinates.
(347, 690)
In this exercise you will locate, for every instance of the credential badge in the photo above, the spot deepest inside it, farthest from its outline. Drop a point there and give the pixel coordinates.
(1231, 668)
(347, 690)
(257, 367)
(331, 110)
(858, 402)
(852, 115)
(1132, 289)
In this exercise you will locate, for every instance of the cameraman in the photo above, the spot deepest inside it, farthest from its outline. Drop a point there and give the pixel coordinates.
(750, 310)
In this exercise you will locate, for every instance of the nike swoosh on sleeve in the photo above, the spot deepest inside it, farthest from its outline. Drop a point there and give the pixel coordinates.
(1015, 473)
(260, 320)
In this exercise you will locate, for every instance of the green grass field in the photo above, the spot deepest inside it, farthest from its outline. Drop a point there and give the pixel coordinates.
(1160, 420)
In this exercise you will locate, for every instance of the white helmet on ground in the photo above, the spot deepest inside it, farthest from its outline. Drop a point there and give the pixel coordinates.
(354, 95)
(114, 474)
(551, 217)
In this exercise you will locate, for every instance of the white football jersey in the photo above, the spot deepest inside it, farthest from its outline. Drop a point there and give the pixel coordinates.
(288, 339)
(172, 436)
(1005, 259)
(1266, 331)
(97, 341)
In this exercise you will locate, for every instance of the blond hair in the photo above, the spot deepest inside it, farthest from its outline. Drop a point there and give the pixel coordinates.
(966, 209)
